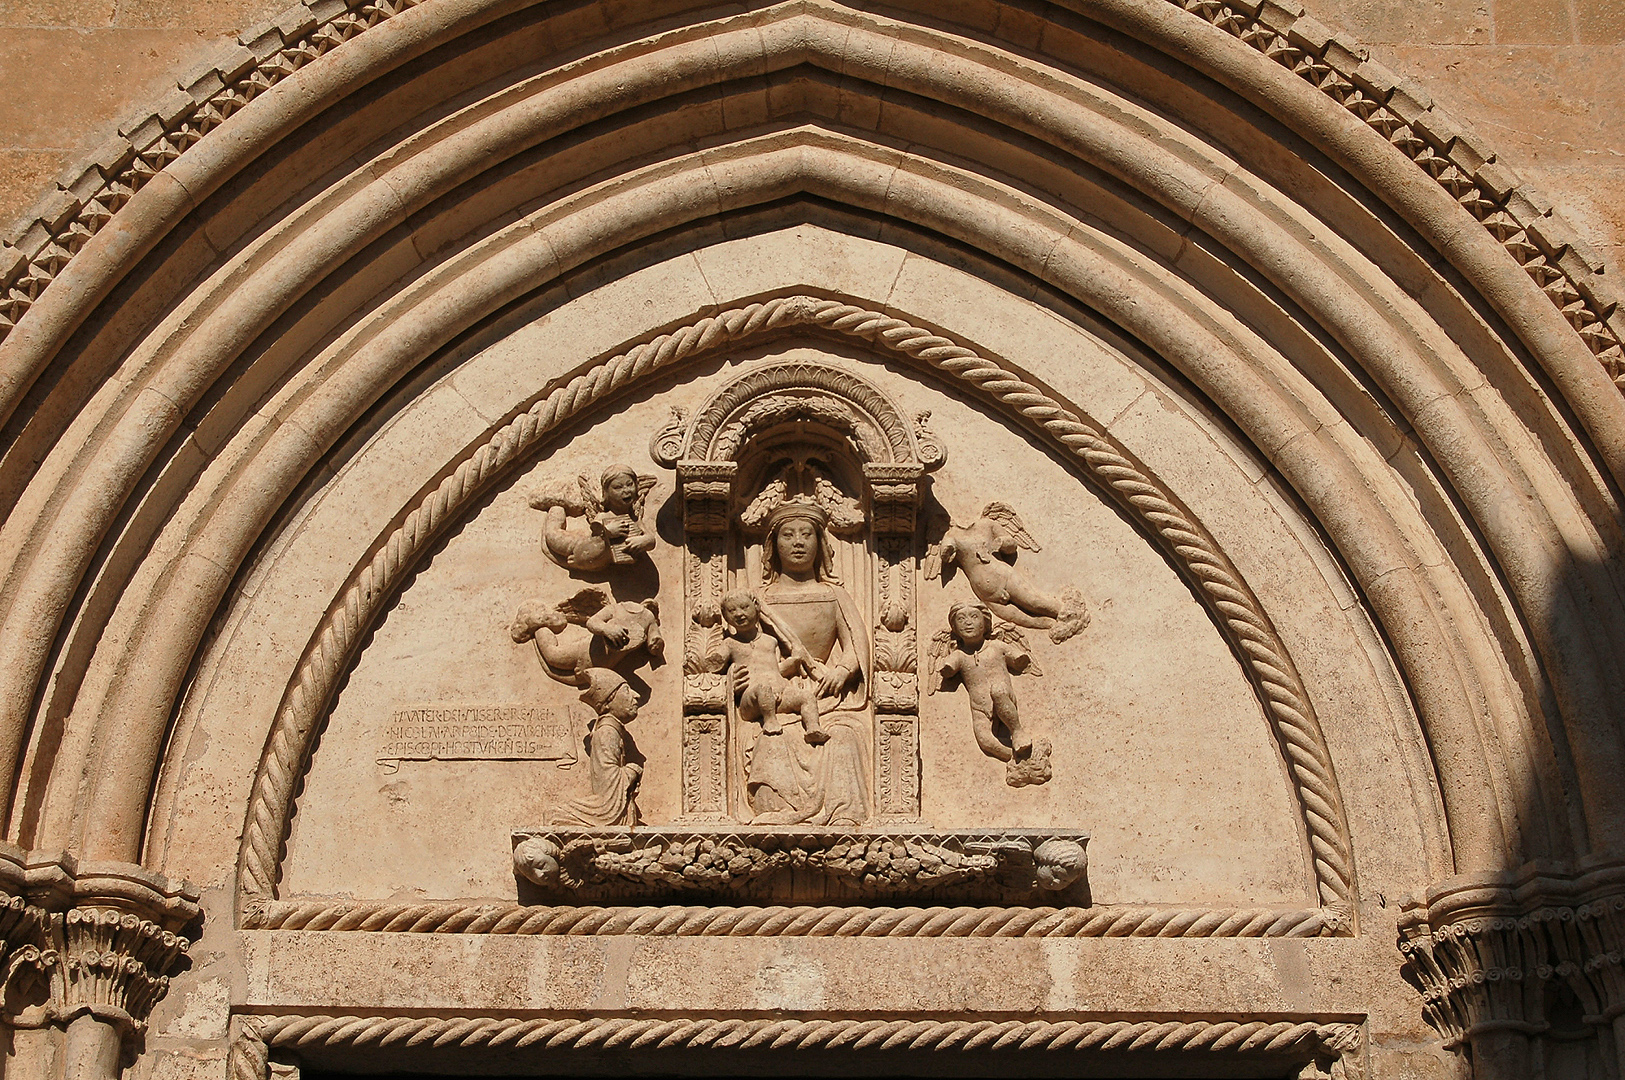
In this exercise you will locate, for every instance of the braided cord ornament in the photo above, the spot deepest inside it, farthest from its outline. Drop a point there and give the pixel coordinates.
(773, 1033)
(1215, 581)
(796, 921)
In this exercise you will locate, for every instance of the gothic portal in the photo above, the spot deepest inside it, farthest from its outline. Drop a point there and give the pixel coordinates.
(809, 538)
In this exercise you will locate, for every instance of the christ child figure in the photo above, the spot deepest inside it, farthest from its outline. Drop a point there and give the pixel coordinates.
(983, 661)
(763, 666)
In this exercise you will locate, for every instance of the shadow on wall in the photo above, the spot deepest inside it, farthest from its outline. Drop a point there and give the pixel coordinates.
(1522, 972)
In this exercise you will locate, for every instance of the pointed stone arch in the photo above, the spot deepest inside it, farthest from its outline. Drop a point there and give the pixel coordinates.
(1417, 350)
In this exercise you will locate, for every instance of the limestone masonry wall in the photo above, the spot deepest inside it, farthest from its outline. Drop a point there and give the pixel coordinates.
(812, 537)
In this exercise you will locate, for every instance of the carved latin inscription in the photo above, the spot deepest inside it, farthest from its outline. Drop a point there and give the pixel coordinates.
(479, 732)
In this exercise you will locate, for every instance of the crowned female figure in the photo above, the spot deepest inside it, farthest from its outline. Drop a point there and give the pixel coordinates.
(791, 780)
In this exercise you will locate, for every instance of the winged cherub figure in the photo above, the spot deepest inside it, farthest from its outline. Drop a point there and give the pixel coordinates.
(985, 550)
(589, 630)
(616, 533)
(983, 657)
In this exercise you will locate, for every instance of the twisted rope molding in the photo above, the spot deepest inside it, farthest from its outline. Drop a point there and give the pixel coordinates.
(256, 1034)
(802, 921)
(1230, 603)
(1519, 216)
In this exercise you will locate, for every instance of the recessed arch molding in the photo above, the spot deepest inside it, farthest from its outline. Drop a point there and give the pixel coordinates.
(1413, 360)
(1227, 598)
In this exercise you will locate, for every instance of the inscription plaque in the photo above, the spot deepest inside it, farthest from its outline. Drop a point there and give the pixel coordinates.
(480, 732)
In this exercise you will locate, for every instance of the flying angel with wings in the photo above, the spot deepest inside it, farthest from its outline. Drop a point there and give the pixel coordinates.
(589, 630)
(616, 533)
(986, 551)
(983, 656)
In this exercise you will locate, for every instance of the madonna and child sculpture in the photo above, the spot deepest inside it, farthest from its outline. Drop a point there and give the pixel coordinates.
(794, 777)
(800, 487)
(762, 664)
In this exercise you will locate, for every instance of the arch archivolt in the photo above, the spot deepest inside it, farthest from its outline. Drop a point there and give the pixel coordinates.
(1419, 369)
(1258, 388)
(1221, 202)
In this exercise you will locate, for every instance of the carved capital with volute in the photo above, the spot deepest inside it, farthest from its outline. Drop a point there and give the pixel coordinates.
(1485, 955)
(96, 939)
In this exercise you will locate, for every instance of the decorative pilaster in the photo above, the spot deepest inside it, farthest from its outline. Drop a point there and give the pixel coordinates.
(707, 492)
(895, 492)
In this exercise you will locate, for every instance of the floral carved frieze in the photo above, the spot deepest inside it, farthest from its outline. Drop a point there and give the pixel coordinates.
(764, 862)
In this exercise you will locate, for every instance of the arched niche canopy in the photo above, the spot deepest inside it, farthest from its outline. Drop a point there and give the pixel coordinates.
(894, 454)
(829, 428)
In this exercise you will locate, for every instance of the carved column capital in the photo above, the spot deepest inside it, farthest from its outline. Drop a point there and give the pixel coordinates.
(29, 940)
(1478, 976)
(115, 966)
(1483, 953)
(707, 488)
(99, 939)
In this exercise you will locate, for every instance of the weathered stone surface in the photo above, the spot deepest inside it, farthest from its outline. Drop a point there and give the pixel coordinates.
(950, 539)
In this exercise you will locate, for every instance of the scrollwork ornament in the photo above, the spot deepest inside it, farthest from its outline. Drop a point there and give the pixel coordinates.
(666, 445)
(931, 451)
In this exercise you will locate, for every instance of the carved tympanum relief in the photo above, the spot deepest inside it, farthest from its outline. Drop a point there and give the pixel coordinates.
(761, 665)
(800, 489)
(787, 754)
(612, 798)
(590, 630)
(980, 652)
